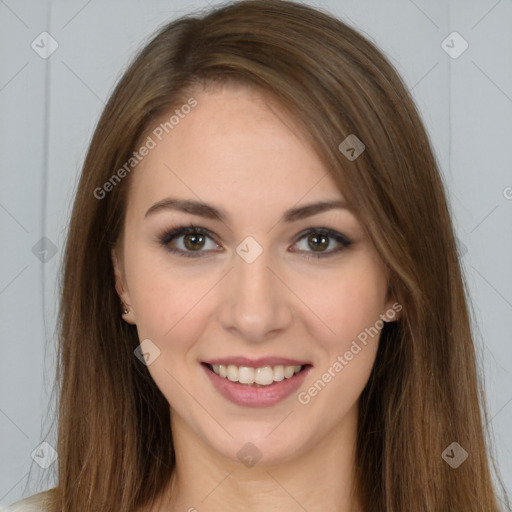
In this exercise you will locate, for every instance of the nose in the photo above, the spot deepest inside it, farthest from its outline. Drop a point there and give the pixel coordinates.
(256, 304)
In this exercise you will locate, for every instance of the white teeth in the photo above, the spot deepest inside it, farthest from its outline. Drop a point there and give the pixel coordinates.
(288, 371)
(263, 376)
(232, 372)
(245, 375)
(279, 373)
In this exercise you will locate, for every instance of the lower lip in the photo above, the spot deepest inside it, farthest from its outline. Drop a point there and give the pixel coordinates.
(252, 396)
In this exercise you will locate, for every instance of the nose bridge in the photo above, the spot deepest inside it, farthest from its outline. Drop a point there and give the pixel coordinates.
(256, 302)
(253, 278)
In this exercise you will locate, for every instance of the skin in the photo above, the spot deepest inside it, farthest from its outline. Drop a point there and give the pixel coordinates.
(237, 150)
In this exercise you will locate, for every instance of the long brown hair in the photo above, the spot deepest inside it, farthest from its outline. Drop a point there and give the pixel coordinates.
(114, 439)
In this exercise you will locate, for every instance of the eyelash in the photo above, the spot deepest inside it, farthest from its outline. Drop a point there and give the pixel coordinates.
(172, 233)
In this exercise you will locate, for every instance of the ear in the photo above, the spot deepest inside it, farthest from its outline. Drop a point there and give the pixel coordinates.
(121, 287)
(393, 309)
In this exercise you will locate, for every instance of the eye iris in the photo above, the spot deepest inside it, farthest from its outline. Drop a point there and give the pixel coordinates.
(193, 238)
(315, 238)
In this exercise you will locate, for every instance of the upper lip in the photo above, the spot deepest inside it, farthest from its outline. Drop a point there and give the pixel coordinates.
(256, 363)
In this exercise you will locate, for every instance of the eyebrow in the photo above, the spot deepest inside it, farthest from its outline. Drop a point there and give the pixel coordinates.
(210, 212)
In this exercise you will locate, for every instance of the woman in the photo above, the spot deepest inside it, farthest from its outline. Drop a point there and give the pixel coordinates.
(262, 304)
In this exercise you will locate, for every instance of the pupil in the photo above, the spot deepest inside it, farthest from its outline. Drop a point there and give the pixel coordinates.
(315, 239)
(194, 239)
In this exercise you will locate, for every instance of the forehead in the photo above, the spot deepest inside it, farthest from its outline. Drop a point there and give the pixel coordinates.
(235, 147)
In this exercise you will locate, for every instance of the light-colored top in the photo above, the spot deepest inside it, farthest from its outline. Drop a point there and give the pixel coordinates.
(34, 503)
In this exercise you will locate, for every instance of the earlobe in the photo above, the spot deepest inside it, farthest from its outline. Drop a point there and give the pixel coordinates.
(121, 289)
(127, 314)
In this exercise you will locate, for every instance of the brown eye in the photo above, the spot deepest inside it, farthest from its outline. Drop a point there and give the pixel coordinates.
(318, 242)
(319, 239)
(194, 239)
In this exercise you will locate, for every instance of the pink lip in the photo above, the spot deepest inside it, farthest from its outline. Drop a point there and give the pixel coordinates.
(252, 396)
(257, 363)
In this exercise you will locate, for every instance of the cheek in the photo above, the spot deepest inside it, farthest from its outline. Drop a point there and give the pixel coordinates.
(335, 389)
(346, 303)
(162, 297)
(170, 312)
(350, 305)
(345, 360)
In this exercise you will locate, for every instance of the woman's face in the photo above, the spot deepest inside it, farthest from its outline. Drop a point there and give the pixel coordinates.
(262, 288)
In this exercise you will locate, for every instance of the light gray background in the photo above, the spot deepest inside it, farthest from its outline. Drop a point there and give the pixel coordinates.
(48, 110)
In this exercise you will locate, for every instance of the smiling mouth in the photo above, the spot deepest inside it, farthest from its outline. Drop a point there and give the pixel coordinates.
(264, 376)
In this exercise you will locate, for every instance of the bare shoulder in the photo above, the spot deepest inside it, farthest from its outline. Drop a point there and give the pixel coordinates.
(35, 503)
